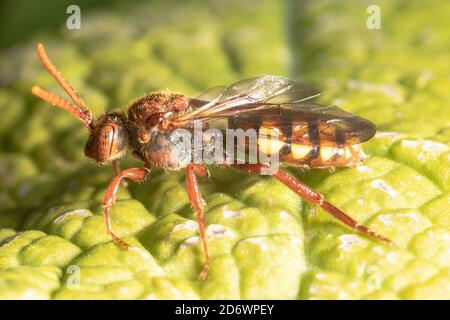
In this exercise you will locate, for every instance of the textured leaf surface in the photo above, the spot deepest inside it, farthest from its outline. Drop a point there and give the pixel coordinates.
(264, 241)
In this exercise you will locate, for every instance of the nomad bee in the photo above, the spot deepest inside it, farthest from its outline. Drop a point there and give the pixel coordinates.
(302, 134)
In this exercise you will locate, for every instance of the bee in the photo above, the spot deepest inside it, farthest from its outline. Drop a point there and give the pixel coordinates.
(308, 135)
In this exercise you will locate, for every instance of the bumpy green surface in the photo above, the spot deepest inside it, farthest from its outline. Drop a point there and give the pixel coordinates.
(264, 241)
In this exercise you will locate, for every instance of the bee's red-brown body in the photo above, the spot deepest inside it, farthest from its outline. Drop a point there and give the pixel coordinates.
(307, 135)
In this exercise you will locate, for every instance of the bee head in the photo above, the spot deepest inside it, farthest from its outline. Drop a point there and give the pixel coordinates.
(107, 135)
(108, 138)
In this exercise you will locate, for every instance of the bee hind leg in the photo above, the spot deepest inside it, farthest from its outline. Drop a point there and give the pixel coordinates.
(310, 195)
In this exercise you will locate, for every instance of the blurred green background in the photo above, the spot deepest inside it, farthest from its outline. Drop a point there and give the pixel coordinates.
(265, 242)
(20, 20)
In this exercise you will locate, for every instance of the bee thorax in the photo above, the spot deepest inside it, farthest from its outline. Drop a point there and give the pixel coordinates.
(149, 109)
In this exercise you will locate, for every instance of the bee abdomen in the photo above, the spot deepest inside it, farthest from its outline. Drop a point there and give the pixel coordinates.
(329, 156)
(314, 145)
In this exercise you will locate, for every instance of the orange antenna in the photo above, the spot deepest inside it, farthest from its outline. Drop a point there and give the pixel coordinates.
(79, 110)
(61, 103)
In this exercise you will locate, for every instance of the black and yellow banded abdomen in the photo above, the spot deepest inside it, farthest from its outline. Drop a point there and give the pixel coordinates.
(308, 151)
(303, 143)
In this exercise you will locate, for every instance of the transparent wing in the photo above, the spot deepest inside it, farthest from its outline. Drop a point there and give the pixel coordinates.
(273, 89)
(211, 93)
(249, 95)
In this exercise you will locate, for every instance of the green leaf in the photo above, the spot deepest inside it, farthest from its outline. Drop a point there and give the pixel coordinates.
(264, 241)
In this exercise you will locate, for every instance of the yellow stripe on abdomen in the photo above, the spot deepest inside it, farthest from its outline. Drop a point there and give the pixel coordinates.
(330, 156)
(300, 151)
(269, 140)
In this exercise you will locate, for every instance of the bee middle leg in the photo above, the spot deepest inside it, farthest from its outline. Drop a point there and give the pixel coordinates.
(192, 171)
(135, 174)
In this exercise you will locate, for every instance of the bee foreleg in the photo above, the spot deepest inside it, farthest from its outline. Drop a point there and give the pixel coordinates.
(115, 164)
(192, 171)
(135, 174)
(310, 195)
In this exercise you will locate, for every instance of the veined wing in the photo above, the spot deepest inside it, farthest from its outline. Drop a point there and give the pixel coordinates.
(248, 95)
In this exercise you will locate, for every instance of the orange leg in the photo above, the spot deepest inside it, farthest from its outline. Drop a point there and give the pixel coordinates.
(136, 174)
(192, 171)
(312, 196)
(116, 169)
(115, 166)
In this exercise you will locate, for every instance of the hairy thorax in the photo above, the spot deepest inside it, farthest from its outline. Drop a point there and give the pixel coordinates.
(148, 110)
(158, 148)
